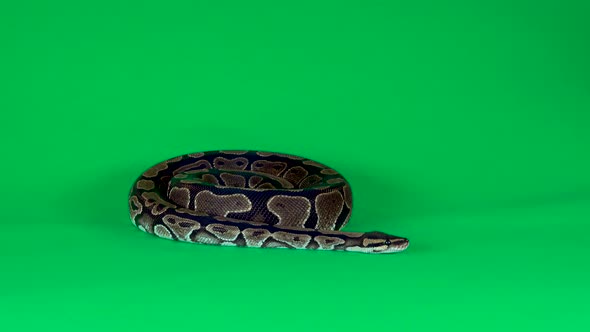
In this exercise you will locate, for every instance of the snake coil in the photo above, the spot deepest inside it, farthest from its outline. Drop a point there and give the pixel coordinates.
(251, 199)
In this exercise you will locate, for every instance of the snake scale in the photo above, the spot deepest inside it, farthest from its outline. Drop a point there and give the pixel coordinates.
(251, 199)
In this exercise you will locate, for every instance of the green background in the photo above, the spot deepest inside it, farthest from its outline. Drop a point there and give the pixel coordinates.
(464, 127)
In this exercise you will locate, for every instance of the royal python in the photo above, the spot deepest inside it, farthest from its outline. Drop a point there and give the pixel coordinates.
(251, 199)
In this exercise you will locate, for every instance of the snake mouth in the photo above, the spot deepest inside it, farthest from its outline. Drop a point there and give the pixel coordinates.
(402, 245)
(396, 245)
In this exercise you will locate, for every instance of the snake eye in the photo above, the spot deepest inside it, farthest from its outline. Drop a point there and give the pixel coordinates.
(387, 242)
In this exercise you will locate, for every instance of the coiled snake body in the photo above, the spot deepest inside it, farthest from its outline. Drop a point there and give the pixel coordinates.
(252, 199)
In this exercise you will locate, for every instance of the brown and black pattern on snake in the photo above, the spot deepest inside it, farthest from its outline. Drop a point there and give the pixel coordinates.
(203, 236)
(266, 185)
(295, 174)
(153, 172)
(239, 163)
(196, 166)
(328, 242)
(223, 232)
(156, 169)
(181, 227)
(271, 167)
(310, 181)
(292, 211)
(221, 205)
(180, 196)
(145, 222)
(146, 184)
(328, 208)
(135, 208)
(314, 164)
(192, 178)
(254, 181)
(156, 202)
(255, 237)
(162, 231)
(298, 241)
(233, 180)
(210, 178)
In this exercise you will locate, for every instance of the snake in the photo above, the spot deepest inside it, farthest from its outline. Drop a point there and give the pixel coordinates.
(247, 198)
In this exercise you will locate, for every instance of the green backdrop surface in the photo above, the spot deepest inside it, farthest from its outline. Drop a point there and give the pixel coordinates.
(464, 126)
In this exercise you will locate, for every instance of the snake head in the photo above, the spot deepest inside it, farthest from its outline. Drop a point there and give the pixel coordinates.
(377, 242)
